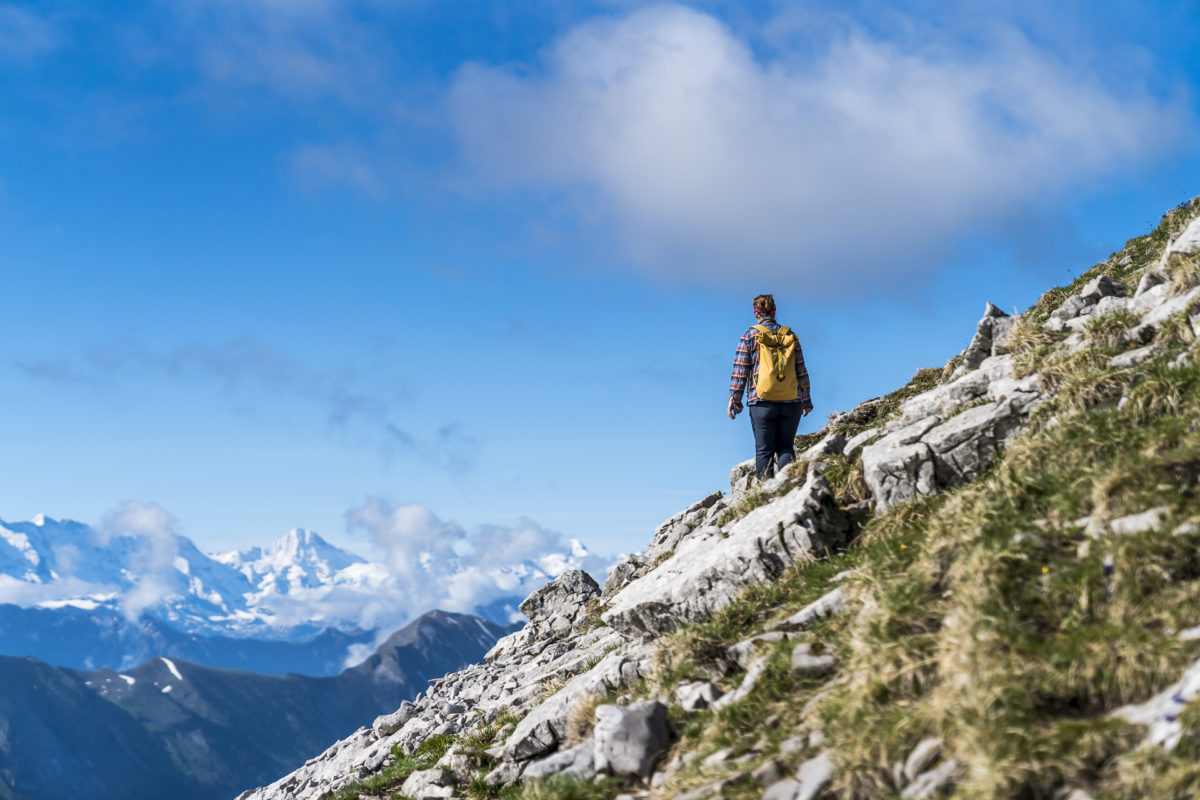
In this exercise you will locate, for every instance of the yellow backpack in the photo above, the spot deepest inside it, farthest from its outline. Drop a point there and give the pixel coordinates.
(776, 364)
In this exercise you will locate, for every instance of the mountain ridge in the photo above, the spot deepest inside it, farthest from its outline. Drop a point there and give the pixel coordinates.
(168, 727)
(69, 588)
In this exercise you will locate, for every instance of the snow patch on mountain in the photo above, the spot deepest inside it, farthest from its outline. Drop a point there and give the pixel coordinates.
(136, 562)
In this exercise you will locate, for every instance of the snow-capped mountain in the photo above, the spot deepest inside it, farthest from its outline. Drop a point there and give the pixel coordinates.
(290, 590)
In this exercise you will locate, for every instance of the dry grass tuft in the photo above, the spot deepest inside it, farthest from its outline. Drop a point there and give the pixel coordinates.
(581, 719)
(1183, 272)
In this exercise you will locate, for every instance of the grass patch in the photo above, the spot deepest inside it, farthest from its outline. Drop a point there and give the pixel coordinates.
(1014, 651)
(1108, 331)
(560, 788)
(392, 777)
(877, 412)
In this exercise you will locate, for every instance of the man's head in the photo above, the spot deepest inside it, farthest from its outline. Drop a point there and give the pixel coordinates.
(764, 305)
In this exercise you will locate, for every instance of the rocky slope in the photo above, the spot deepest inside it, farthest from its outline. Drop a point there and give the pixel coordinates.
(985, 585)
(171, 728)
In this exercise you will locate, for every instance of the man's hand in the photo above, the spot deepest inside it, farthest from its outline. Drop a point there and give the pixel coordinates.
(732, 410)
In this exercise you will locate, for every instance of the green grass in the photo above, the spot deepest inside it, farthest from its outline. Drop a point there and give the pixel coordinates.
(1000, 645)
(877, 412)
(559, 788)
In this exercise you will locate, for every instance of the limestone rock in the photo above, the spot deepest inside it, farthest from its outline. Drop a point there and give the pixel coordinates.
(577, 762)
(1148, 520)
(832, 602)
(924, 754)
(558, 605)
(832, 444)
(1148, 281)
(506, 774)
(1101, 286)
(428, 784)
(805, 663)
(711, 567)
(769, 773)
(697, 696)
(625, 571)
(935, 444)
(629, 740)
(982, 344)
(1186, 244)
(749, 681)
(934, 782)
(812, 778)
(740, 474)
(388, 724)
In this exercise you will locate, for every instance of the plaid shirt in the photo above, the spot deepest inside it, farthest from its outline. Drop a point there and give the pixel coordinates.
(745, 366)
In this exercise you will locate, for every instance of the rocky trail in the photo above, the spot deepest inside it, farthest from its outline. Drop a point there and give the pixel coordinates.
(986, 584)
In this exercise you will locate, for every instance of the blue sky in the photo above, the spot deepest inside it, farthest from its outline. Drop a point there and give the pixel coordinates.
(263, 261)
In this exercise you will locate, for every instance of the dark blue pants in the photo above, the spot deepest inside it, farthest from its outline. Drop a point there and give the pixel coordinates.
(774, 433)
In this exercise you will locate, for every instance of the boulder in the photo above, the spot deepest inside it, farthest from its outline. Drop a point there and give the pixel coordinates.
(1099, 287)
(388, 724)
(506, 774)
(740, 474)
(629, 740)
(560, 604)
(428, 784)
(577, 762)
(627, 569)
(994, 325)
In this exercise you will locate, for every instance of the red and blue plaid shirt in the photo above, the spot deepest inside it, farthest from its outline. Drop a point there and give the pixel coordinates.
(745, 370)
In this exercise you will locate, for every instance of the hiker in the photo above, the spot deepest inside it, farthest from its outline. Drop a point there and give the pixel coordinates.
(777, 389)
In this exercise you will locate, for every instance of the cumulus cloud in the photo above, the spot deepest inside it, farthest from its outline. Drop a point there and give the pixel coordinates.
(433, 563)
(153, 562)
(863, 159)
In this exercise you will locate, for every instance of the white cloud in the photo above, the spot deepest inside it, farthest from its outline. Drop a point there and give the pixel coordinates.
(154, 562)
(24, 36)
(433, 563)
(27, 593)
(316, 167)
(864, 159)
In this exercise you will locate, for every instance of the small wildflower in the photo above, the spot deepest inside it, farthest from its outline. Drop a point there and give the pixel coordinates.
(903, 547)
(1045, 570)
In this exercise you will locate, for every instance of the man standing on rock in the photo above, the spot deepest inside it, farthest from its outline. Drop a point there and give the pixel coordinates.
(770, 368)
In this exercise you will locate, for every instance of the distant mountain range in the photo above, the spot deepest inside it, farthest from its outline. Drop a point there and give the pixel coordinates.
(170, 728)
(76, 596)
